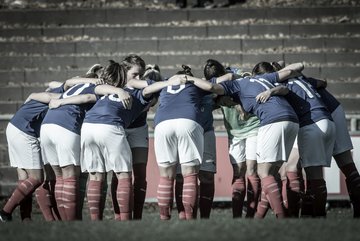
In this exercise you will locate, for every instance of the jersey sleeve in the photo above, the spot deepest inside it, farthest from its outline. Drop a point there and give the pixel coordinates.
(230, 87)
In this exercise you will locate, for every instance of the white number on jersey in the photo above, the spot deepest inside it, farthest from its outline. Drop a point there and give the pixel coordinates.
(77, 92)
(268, 85)
(171, 91)
(305, 86)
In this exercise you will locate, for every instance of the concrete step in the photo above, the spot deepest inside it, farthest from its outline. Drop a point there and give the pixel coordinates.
(170, 32)
(101, 47)
(145, 16)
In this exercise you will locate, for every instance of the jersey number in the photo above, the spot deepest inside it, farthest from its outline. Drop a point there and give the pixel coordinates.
(171, 91)
(75, 90)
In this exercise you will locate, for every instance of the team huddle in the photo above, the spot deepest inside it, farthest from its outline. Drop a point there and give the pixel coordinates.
(283, 128)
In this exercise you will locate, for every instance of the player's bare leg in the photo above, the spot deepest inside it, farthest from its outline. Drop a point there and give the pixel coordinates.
(346, 164)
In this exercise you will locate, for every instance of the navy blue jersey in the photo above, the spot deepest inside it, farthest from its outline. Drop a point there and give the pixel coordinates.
(71, 116)
(110, 110)
(245, 90)
(306, 102)
(31, 114)
(182, 101)
(141, 120)
(329, 100)
(206, 117)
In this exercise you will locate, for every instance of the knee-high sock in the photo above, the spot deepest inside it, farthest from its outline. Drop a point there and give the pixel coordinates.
(23, 190)
(59, 186)
(253, 192)
(124, 196)
(113, 188)
(94, 196)
(207, 191)
(43, 197)
(190, 195)
(70, 195)
(272, 191)
(139, 197)
(353, 186)
(293, 194)
(238, 196)
(317, 190)
(26, 207)
(263, 206)
(178, 199)
(284, 195)
(165, 197)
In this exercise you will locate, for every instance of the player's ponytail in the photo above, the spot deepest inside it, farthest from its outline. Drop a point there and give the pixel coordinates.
(262, 68)
(185, 70)
(213, 69)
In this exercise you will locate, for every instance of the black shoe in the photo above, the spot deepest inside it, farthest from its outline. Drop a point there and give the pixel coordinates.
(181, 4)
(5, 217)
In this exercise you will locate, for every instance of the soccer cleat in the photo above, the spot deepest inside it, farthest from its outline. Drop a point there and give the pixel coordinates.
(5, 217)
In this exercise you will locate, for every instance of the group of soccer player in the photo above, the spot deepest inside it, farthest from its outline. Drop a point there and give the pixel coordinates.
(283, 128)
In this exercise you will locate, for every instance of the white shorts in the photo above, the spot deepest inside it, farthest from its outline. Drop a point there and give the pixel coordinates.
(104, 148)
(241, 150)
(24, 150)
(59, 146)
(342, 141)
(316, 143)
(178, 141)
(138, 137)
(209, 157)
(275, 141)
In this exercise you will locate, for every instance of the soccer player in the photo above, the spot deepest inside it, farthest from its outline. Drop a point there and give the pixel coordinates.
(64, 153)
(343, 146)
(316, 126)
(22, 135)
(178, 138)
(105, 146)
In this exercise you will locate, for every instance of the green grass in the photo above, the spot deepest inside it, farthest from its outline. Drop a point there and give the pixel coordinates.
(337, 226)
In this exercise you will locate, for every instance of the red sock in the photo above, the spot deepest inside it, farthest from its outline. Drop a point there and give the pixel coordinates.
(113, 188)
(165, 197)
(124, 196)
(253, 192)
(207, 191)
(238, 196)
(70, 193)
(59, 186)
(293, 194)
(43, 197)
(263, 206)
(317, 190)
(272, 191)
(284, 195)
(178, 199)
(353, 186)
(94, 197)
(190, 195)
(23, 189)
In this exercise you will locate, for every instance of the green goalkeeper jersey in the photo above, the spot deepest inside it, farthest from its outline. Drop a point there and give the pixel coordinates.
(238, 128)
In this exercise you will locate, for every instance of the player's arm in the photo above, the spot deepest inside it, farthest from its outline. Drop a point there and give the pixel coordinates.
(43, 97)
(73, 100)
(54, 84)
(137, 84)
(226, 77)
(79, 80)
(290, 71)
(278, 90)
(123, 95)
(202, 84)
(295, 66)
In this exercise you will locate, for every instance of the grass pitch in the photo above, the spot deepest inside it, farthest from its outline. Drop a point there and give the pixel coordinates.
(338, 225)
